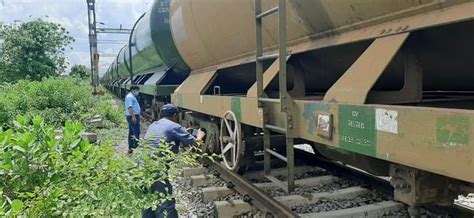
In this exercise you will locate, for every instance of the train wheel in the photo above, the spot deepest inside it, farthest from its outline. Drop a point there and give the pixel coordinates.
(231, 141)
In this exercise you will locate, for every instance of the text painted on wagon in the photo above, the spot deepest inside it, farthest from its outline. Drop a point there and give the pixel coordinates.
(357, 129)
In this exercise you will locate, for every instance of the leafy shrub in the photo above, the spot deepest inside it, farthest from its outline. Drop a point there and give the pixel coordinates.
(54, 99)
(42, 174)
(109, 110)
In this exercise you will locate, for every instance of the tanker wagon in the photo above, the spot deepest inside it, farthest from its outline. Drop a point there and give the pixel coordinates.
(386, 86)
(155, 64)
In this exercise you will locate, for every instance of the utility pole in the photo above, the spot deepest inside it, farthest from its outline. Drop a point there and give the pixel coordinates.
(2, 41)
(93, 44)
(93, 31)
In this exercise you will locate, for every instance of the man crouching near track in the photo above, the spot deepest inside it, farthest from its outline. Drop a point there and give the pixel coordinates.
(169, 128)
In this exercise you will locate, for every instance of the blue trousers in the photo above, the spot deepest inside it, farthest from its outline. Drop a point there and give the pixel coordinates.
(165, 209)
(133, 132)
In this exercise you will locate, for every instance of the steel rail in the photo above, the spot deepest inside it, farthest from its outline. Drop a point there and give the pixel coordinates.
(380, 183)
(464, 208)
(257, 197)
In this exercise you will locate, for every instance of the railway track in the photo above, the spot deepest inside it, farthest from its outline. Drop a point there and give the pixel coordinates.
(322, 190)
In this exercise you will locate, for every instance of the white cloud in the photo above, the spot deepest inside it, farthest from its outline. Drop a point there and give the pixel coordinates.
(79, 57)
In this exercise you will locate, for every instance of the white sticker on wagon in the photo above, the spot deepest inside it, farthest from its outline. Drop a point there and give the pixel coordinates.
(386, 120)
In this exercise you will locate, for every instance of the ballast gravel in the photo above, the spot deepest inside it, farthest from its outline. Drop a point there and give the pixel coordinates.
(189, 202)
(338, 204)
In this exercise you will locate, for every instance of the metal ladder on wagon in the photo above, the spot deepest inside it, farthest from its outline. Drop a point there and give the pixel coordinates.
(286, 102)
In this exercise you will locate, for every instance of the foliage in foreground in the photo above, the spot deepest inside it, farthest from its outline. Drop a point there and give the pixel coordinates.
(33, 50)
(45, 175)
(55, 99)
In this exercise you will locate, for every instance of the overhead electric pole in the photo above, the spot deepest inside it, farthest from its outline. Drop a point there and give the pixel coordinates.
(93, 44)
(93, 31)
(2, 41)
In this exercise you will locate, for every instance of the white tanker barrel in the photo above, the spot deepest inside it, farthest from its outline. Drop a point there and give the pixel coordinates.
(213, 32)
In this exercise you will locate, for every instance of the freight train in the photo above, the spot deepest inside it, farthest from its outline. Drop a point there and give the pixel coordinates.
(386, 86)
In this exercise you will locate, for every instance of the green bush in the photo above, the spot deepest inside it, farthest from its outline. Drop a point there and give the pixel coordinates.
(42, 174)
(109, 110)
(55, 99)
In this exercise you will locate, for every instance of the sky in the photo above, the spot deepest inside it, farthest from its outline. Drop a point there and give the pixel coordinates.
(72, 14)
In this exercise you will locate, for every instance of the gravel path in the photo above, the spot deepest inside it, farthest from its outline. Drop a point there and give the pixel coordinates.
(189, 202)
(118, 136)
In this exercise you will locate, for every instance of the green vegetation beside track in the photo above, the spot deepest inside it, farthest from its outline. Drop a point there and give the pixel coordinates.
(56, 100)
(47, 169)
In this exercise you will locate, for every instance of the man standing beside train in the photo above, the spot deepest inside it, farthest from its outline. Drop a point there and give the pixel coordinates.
(132, 113)
(168, 127)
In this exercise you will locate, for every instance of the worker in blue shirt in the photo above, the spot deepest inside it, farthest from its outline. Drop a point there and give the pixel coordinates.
(169, 129)
(132, 112)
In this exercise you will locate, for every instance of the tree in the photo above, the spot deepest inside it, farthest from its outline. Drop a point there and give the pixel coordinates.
(80, 71)
(33, 50)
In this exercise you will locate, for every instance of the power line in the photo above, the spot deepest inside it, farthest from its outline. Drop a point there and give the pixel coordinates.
(106, 41)
(114, 30)
(108, 55)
